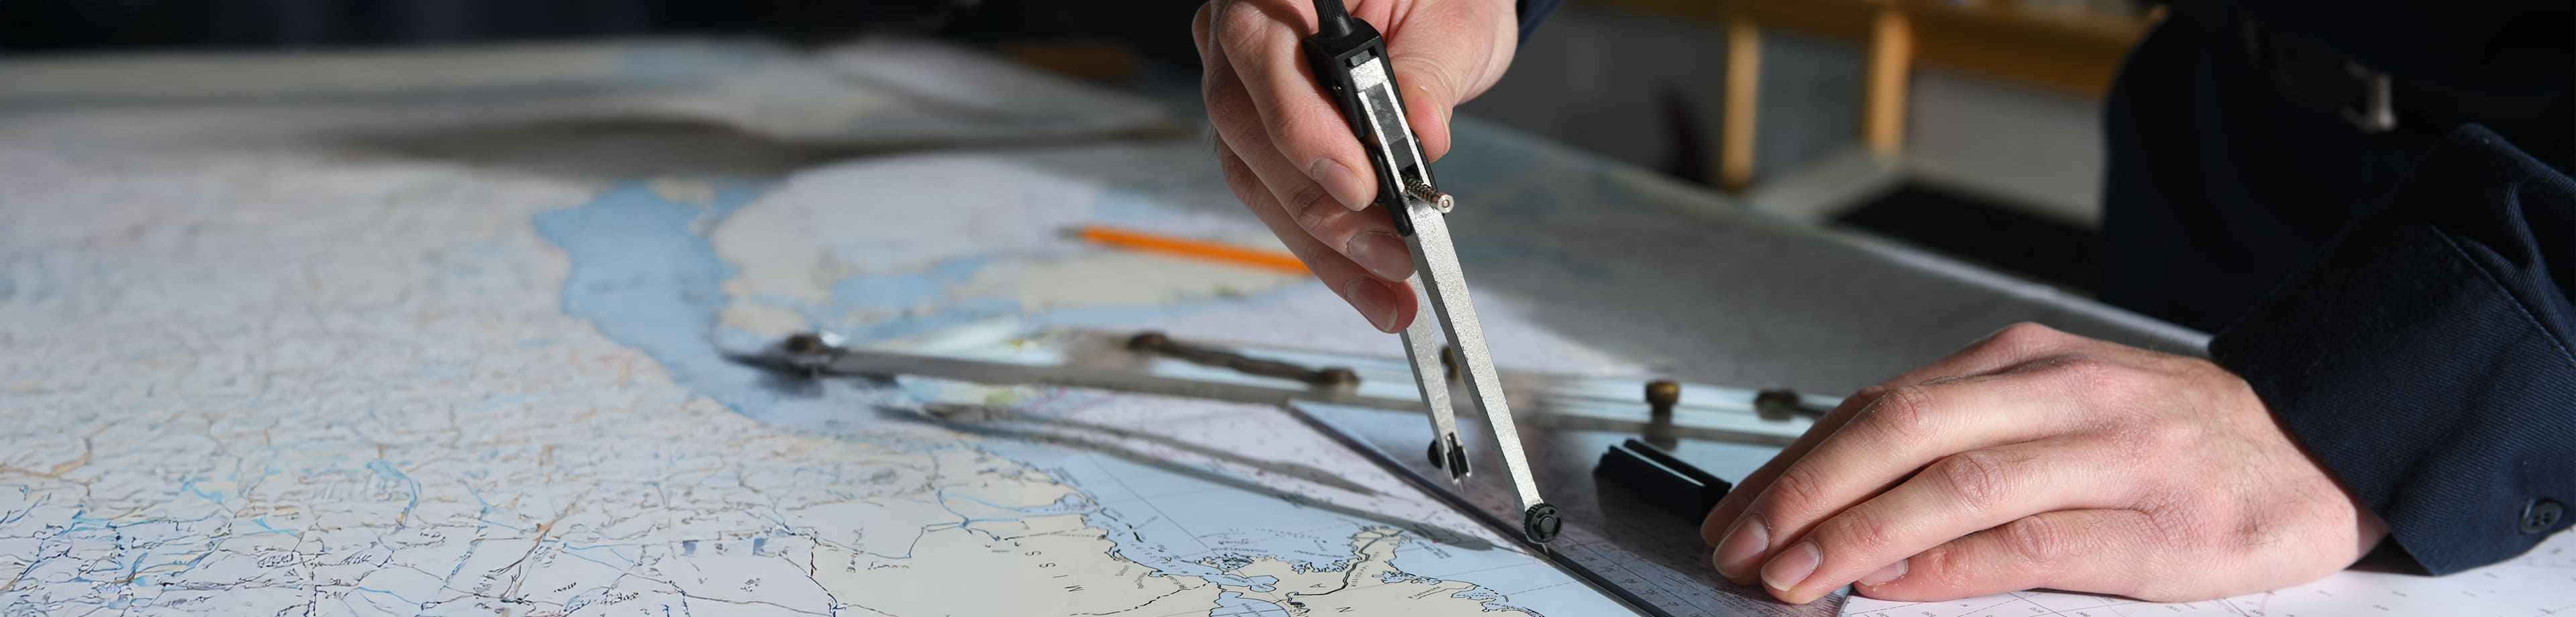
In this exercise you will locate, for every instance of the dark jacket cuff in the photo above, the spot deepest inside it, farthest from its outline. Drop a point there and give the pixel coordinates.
(2424, 354)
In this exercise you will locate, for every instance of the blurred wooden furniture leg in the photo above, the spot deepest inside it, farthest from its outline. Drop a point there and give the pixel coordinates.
(1743, 78)
(1891, 61)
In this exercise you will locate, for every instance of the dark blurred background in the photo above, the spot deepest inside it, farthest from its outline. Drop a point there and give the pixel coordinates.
(1154, 28)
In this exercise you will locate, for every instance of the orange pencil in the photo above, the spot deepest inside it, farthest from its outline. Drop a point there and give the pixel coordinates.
(1195, 249)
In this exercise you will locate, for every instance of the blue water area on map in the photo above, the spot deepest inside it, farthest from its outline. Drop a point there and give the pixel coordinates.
(644, 279)
(645, 276)
(1233, 604)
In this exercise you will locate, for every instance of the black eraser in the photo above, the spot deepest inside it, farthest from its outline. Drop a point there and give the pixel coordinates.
(1660, 479)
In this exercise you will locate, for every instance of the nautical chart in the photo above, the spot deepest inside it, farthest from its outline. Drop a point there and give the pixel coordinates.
(389, 336)
(318, 369)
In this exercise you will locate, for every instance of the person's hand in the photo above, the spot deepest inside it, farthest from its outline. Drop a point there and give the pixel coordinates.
(2036, 458)
(1290, 157)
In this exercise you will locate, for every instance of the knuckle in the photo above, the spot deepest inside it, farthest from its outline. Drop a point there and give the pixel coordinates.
(1308, 132)
(2169, 515)
(1864, 400)
(2019, 337)
(1869, 394)
(1798, 489)
(2258, 533)
(1238, 177)
(1980, 479)
(2158, 438)
(1853, 405)
(2035, 540)
(1942, 567)
(1860, 533)
(1237, 22)
(1225, 109)
(1301, 205)
(1427, 74)
(2091, 373)
(2028, 332)
(1232, 166)
(1907, 413)
(1283, 124)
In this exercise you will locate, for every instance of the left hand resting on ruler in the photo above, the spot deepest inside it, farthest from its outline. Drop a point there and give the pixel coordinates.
(2036, 458)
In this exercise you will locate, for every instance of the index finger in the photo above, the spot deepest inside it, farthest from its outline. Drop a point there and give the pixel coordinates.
(1263, 40)
(1956, 496)
(1388, 305)
(1880, 446)
(2003, 349)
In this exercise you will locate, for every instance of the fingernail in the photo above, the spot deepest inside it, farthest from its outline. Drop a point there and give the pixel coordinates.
(1743, 544)
(1374, 302)
(1792, 566)
(1345, 186)
(1892, 572)
(1383, 255)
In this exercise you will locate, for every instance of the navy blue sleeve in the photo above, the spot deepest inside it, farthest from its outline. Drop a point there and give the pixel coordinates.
(1532, 12)
(2424, 356)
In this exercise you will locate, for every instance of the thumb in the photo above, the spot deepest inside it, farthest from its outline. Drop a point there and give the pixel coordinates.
(1445, 53)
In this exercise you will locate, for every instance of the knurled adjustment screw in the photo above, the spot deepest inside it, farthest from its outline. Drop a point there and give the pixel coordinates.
(1148, 341)
(1541, 523)
(1776, 404)
(1337, 377)
(803, 343)
(1662, 395)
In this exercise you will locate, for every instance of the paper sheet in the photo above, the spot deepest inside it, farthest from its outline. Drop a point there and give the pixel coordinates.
(2541, 582)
